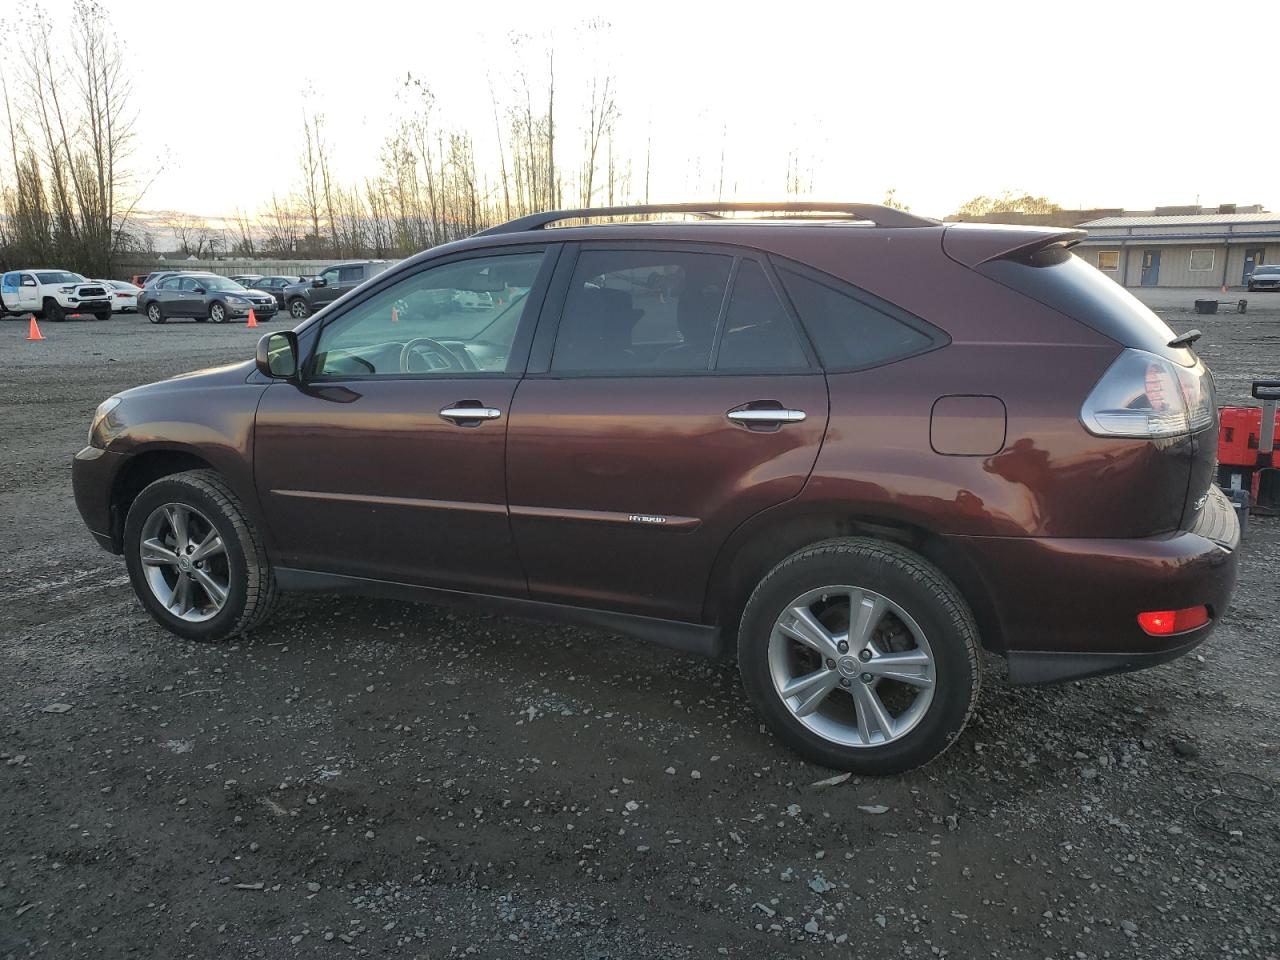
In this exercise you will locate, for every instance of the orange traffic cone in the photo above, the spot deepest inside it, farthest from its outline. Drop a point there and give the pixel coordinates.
(395, 314)
(33, 332)
(1224, 288)
(253, 321)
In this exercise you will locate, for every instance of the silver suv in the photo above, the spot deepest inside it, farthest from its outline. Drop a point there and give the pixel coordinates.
(306, 297)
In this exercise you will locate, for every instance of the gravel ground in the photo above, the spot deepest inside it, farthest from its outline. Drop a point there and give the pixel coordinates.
(385, 779)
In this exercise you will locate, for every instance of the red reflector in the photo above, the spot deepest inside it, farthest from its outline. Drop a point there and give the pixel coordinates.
(1161, 623)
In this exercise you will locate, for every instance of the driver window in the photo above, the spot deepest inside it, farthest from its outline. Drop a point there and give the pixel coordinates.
(188, 285)
(459, 318)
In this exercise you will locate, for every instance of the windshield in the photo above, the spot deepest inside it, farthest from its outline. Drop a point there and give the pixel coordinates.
(59, 276)
(1270, 268)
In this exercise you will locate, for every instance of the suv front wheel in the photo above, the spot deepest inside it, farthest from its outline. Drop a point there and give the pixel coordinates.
(194, 558)
(298, 309)
(860, 655)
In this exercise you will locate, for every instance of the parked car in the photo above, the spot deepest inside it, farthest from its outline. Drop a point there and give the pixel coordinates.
(203, 296)
(124, 295)
(53, 294)
(306, 297)
(1265, 277)
(276, 287)
(248, 280)
(785, 446)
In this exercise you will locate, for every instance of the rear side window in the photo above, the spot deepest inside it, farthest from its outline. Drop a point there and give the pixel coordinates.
(758, 333)
(641, 311)
(350, 274)
(853, 331)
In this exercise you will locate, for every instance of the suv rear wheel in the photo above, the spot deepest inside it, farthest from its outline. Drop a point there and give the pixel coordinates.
(195, 560)
(154, 313)
(860, 655)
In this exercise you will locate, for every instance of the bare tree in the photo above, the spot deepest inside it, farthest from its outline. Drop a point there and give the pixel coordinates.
(69, 127)
(192, 234)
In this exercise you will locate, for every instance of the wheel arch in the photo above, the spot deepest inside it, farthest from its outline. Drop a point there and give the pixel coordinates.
(772, 536)
(141, 470)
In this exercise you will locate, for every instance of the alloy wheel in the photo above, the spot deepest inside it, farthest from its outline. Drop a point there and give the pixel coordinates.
(184, 561)
(852, 666)
(217, 313)
(298, 310)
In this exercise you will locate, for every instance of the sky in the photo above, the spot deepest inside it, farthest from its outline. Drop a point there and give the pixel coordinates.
(1125, 104)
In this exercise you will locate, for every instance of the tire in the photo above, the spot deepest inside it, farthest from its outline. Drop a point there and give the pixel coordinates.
(242, 566)
(298, 309)
(922, 616)
(102, 316)
(154, 313)
(218, 312)
(53, 310)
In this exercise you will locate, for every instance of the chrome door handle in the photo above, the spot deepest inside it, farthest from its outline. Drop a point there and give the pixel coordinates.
(459, 413)
(766, 416)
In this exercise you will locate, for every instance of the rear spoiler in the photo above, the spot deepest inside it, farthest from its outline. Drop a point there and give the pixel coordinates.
(972, 244)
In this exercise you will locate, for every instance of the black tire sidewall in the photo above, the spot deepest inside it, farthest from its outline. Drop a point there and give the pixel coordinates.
(218, 304)
(954, 657)
(174, 490)
(159, 311)
(53, 310)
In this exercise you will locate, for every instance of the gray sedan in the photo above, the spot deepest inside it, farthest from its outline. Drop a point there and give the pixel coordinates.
(204, 296)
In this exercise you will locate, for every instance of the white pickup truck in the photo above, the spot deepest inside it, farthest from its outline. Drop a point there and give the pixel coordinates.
(53, 294)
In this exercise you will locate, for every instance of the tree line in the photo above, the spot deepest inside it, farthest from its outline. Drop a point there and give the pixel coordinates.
(69, 192)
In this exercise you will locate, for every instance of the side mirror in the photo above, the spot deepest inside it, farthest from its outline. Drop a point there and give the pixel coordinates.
(319, 282)
(277, 355)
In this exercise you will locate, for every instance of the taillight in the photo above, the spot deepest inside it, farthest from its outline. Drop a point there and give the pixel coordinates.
(1145, 396)
(1163, 623)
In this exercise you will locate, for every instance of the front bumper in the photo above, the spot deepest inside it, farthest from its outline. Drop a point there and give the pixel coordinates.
(86, 306)
(1068, 608)
(259, 309)
(93, 475)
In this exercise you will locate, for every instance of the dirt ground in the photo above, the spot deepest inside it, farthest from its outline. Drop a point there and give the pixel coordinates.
(381, 779)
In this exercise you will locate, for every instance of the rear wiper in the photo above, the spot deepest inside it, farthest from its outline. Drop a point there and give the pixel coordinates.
(1187, 339)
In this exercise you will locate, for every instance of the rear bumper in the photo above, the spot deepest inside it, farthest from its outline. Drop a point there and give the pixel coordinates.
(1067, 608)
(93, 474)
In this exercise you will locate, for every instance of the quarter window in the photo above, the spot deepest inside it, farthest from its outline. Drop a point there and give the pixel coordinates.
(350, 274)
(1201, 259)
(456, 319)
(851, 331)
(1109, 260)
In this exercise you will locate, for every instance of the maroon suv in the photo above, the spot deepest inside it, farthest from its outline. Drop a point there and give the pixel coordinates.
(852, 446)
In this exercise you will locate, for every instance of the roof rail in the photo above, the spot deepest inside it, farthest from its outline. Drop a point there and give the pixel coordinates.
(881, 216)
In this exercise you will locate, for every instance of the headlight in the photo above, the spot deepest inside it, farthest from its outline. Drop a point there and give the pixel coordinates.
(99, 419)
(66, 289)
(236, 299)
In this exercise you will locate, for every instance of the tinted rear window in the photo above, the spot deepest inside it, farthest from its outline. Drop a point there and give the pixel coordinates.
(852, 329)
(1059, 279)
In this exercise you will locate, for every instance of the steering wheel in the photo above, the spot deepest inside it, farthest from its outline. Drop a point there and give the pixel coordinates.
(437, 355)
